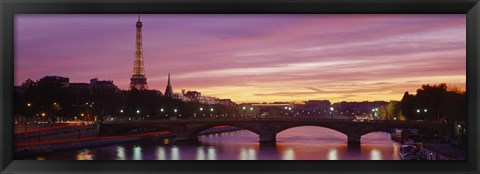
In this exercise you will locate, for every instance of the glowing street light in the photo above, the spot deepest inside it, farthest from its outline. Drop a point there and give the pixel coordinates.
(244, 108)
(211, 109)
(161, 110)
(425, 110)
(175, 110)
(138, 111)
(418, 110)
(201, 109)
(82, 114)
(43, 114)
(121, 110)
(331, 115)
(29, 104)
(251, 108)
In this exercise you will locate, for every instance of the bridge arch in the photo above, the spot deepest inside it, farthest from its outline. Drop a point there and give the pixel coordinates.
(197, 129)
(286, 128)
(311, 133)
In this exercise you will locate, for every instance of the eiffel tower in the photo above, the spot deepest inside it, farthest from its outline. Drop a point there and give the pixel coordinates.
(138, 80)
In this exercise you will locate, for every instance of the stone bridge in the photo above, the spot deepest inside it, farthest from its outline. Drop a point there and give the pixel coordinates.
(267, 129)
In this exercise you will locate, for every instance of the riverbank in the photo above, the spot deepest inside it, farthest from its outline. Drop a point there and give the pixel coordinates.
(430, 150)
(441, 152)
(24, 150)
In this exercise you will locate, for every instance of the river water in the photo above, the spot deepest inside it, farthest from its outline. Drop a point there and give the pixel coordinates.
(301, 143)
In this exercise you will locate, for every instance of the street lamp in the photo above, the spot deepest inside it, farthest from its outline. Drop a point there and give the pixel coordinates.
(331, 114)
(201, 109)
(25, 116)
(43, 115)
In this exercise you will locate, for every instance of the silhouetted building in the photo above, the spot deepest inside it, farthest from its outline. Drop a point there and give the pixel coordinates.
(94, 83)
(357, 108)
(79, 85)
(193, 95)
(270, 109)
(313, 108)
(317, 105)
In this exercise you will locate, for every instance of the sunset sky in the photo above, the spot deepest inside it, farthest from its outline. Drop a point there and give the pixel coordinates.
(251, 58)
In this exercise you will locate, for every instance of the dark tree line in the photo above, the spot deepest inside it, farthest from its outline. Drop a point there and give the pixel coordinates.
(435, 102)
(51, 100)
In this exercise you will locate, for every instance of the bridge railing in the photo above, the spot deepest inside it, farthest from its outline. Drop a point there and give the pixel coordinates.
(262, 119)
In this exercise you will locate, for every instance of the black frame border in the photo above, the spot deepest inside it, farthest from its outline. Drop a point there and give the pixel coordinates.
(10, 7)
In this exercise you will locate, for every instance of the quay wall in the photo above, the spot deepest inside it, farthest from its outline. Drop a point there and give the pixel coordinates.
(35, 150)
(65, 133)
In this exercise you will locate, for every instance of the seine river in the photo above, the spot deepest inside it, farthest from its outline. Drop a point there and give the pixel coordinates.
(301, 143)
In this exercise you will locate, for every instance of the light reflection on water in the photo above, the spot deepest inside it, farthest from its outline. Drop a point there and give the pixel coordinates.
(137, 153)
(375, 155)
(332, 154)
(200, 153)
(175, 153)
(121, 153)
(288, 154)
(302, 143)
(84, 155)
(161, 153)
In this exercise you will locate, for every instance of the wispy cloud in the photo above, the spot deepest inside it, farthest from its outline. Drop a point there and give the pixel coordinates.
(251, 57)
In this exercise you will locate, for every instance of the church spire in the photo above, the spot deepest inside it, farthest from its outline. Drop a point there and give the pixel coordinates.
(168, 79)
(168, 89)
